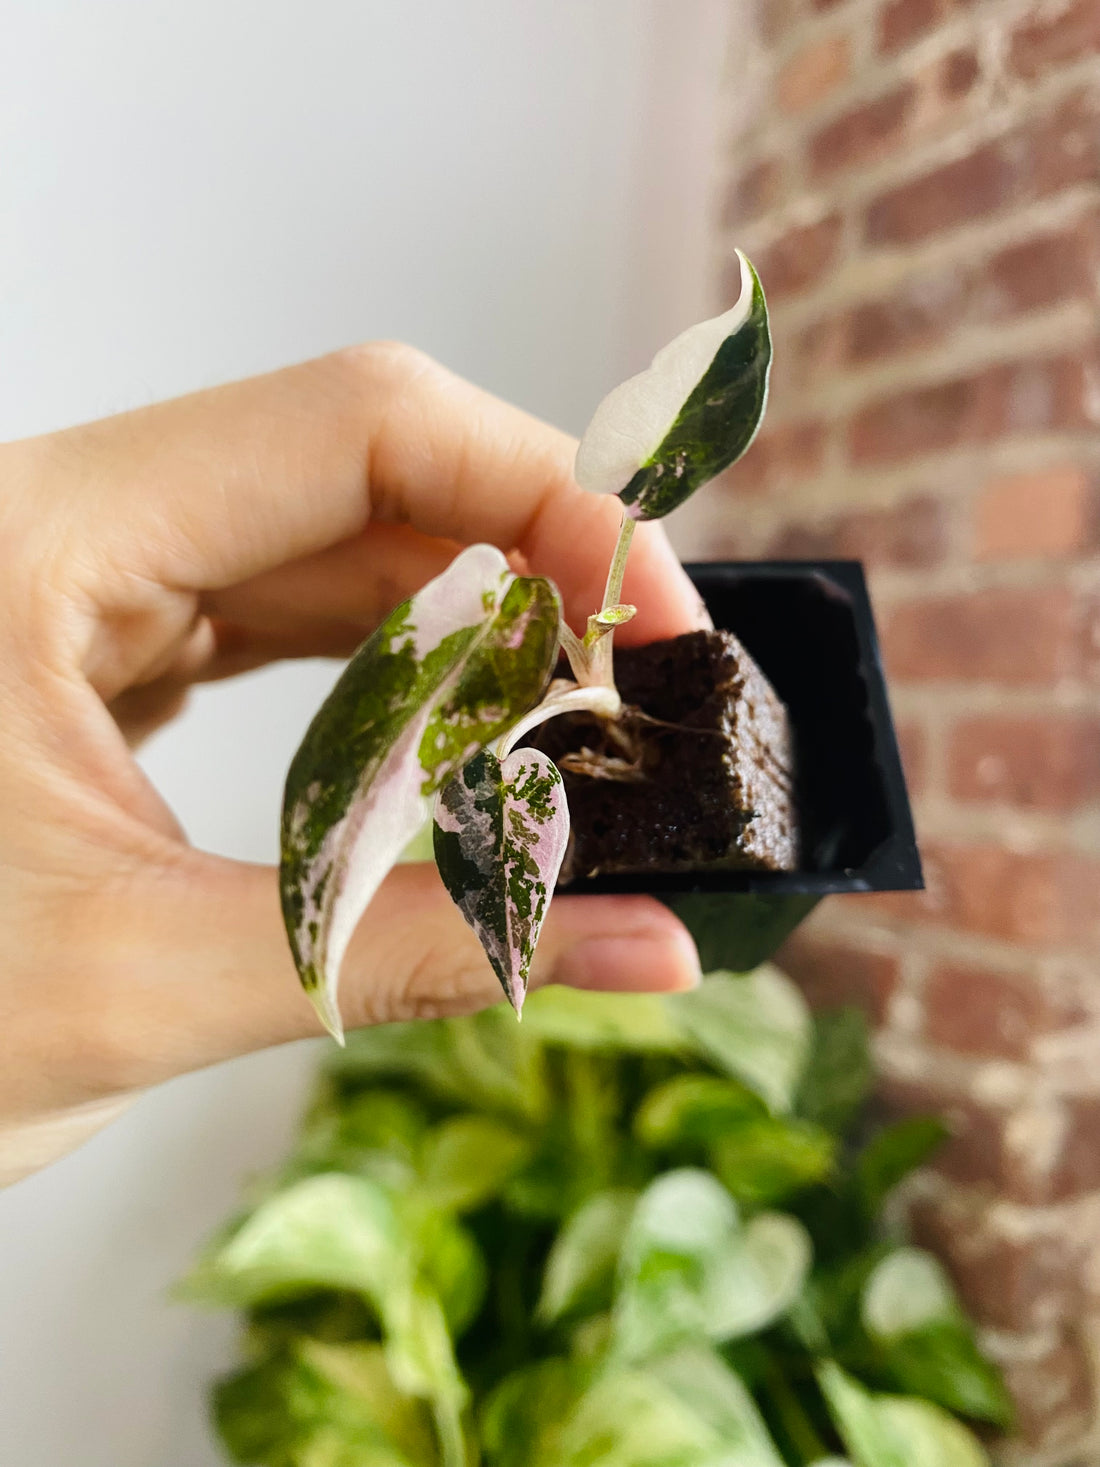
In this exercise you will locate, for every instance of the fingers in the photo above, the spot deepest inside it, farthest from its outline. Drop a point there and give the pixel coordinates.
(215, 977)
(226, 486)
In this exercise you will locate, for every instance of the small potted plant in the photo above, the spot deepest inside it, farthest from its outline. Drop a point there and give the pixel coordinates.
(437, 715)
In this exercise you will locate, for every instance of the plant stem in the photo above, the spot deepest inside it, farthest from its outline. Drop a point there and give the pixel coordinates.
(602, 665)
(580, 659)
(613, 592)
(601, 699)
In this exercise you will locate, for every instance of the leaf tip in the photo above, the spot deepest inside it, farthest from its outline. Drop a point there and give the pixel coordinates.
(329, 1015)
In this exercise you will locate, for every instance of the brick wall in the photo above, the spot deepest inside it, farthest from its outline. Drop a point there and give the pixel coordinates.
(918, 182)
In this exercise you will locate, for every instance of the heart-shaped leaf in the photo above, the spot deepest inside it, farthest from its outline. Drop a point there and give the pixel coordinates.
(659, 436)
(500, 835)
(895, 1431)
(689, 1269)
(450, 670)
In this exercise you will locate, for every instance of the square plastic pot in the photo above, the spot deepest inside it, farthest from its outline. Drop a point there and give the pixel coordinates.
(809, 626)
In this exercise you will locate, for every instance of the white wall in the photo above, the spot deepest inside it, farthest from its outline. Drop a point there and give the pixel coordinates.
(193, 191)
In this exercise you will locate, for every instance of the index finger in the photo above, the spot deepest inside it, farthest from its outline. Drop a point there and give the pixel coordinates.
(213, 489)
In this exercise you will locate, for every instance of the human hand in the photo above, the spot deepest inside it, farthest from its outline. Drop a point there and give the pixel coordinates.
(278, 517)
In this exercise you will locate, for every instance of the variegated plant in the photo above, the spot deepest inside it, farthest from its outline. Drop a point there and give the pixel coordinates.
(428, 712)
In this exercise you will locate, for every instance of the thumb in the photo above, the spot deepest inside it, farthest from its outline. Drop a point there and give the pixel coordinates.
(222, 981)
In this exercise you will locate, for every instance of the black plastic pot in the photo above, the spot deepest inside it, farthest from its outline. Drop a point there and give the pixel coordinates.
(810, 628)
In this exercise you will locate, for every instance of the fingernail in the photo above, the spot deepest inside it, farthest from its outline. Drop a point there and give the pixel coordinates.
(657, 963)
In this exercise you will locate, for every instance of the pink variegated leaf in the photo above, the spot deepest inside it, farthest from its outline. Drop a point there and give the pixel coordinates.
(501, 829)
(444, 675)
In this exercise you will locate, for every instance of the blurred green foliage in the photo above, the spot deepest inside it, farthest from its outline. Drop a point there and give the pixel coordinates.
(639, 1231)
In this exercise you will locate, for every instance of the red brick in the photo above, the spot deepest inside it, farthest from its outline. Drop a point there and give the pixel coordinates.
(781, 455)
(1043, 271)
(1063, 147)
(994, 1149)
(833, 974)
(957, 73)
(1047, 761)
(817, 351)
(1016, 637)
(863, 133)
(1034, 898)
(977, 184)
(1053, 1393)
(923, 308)
(1048, 514)
(975, 1151)
(914, 755)
(1005, 1282)
(902, 21)
(1050, 152)
(912, 535)
(1011, 397)
(1089, 641)
(981, 1012)
(755, 191)
(813, 73)
(799, 258)
(1046, 39)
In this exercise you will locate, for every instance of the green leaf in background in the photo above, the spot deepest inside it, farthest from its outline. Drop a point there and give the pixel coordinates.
(715, 1393)
(681, 1226)
(891, 1155)
(689, 1270)
(694, 1110)
(895, 1431)
(500, 833)
(520, 1417)
(757, 1276)
(467, 1159)
(476, 1194)
(581, 1264)
(908, 1289)
(604, 1022)
(485, 1060)
(629, 1418)
(658, 437)
(375, 1133)
(768, 1158)
(329, 1231)
(838, 1075)
(451, 1263)
(910, 1309)
(291, 1411)
(686, 1410)
(755, 1027)
(445, 674)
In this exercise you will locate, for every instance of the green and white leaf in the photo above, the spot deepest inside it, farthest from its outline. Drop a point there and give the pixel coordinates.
(758, 1276)
(446, 673)
(640, 1023)
(660, 435)
(755, 1026)
(908, 1289)
(329, 1231)
(690, 1271)
(584, 1254)
(467, 1159)
(701, 1379)
(895, 1431)
(694, 1110)
(501, 829)
(910, 1309)
(485, 1060)
(322, 1406)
